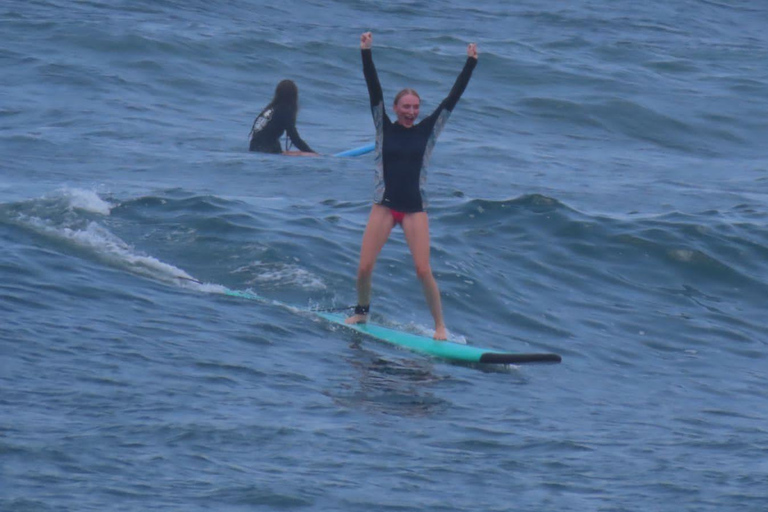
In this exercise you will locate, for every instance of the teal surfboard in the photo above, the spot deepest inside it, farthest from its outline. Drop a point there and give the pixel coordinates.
(448, 350)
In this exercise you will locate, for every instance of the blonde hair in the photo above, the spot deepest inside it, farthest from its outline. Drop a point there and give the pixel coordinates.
(404, 92)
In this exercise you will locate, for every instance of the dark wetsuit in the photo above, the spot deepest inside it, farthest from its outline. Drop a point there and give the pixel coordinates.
(269, 127)
(402, 154)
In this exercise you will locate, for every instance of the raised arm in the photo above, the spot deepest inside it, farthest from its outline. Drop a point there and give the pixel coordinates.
(463, 79)
(369, 71)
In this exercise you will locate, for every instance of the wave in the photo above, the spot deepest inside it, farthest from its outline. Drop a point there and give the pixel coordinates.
(710, 246)
(730, 246)
(191, 228)
(66, 219)
(501, 260)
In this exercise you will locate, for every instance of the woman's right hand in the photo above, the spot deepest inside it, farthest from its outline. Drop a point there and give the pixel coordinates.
(366, 41)
(472, 50)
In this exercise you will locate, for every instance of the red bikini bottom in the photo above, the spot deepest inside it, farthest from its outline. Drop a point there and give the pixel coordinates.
(397, 216)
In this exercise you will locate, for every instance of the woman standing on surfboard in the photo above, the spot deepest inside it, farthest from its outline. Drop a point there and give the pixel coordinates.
(403, 149)
(276, 118)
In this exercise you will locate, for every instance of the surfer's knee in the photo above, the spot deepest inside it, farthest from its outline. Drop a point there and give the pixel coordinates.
(424, 272)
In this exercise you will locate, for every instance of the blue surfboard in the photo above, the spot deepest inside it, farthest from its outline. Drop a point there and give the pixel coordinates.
(447, 350)
(357, 151)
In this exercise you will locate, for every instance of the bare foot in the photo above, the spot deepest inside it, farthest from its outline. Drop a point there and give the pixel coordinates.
(356, 319)
(440, 333)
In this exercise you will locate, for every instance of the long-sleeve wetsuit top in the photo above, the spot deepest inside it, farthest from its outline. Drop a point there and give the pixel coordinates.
(402, 154)
(269, 126)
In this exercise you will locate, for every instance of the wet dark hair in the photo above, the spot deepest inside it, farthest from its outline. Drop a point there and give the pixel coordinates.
(286, 93)
(287, 97)
(404, 92)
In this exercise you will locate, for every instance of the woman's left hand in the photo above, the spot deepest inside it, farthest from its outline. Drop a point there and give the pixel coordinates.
(472, 50)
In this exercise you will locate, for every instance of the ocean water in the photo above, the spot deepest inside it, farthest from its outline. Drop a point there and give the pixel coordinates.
(600, 192)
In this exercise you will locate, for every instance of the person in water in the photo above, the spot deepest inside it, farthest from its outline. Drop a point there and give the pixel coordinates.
(402, 153)
(277, 118)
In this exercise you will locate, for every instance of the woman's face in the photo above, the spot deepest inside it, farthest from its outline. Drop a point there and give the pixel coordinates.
(407, 110)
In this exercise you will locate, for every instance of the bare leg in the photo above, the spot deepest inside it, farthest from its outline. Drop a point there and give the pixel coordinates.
(380, 224)
(416, 228)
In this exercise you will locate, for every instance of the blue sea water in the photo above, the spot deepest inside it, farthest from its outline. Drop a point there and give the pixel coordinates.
(600, 192)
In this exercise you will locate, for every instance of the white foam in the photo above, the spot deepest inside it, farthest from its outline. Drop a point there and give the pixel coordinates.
(207, 287)
(683, 255)
(88, 200)
(109, 247)
(283, 274)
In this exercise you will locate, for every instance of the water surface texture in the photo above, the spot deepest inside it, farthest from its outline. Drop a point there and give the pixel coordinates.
(599, 192)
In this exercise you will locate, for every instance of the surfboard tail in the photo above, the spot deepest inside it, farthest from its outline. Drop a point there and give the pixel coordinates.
(502, 358)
